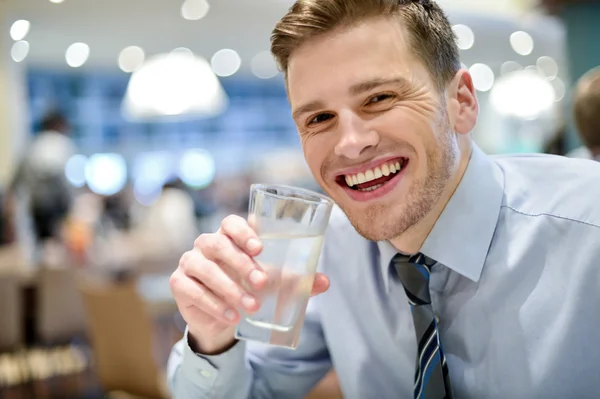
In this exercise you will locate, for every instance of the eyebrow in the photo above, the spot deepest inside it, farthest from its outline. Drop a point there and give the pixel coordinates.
(354, 90)
(369, 85)
(308, 107)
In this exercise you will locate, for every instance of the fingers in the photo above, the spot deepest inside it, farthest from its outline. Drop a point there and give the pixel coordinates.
(213, 277)
(240, 232)
(221, 249)
(191, 294)
(320, 285)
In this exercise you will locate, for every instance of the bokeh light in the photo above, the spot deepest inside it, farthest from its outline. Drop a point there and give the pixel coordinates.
(75, 170)
(106, 174)
(197, 168)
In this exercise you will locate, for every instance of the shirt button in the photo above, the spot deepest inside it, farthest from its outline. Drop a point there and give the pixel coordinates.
(205, 373)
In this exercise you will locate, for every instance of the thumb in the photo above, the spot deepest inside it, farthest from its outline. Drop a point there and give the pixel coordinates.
(320, 285)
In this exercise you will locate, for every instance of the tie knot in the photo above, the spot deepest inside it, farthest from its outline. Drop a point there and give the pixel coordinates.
(414, 271)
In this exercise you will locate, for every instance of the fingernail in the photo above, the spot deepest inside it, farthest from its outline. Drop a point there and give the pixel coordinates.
(253, 245)
(248, 302)
(256, 277)
(230, 314)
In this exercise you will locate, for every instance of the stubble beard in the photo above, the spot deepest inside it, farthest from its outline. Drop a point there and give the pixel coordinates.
(380, 222)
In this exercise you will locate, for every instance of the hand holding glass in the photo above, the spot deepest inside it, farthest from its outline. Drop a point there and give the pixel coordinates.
(291, 224)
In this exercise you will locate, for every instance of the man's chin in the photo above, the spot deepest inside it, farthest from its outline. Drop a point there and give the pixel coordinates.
(374, 224)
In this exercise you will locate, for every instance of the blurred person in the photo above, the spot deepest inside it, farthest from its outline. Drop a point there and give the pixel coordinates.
(170, 221)
(83, 225)
(116, 211)
(40, 186)
(586, 113)
(557, 144)
(7, 231)
(453, 274)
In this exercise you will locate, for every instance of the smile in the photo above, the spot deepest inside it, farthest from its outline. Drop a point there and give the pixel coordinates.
(372, 179)
(373, 182)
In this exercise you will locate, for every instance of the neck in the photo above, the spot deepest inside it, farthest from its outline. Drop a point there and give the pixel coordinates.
(411, 241)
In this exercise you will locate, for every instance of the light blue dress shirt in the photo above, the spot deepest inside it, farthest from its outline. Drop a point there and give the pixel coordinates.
(516, 289)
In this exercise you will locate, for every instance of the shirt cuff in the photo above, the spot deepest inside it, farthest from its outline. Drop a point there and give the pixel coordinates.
(216, 371)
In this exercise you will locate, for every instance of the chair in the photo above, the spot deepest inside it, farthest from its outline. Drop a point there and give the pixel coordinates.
(121, 333)
(60, 314)
(11, 314)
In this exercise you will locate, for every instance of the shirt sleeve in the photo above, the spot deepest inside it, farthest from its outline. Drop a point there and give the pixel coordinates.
(251, 370)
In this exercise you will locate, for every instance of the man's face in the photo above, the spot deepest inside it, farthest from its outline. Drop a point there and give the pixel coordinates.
(375, 132)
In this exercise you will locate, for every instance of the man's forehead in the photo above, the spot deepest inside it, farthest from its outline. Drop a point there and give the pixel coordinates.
(365, 47)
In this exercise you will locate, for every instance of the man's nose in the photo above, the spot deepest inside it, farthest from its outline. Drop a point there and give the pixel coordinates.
(355, 136)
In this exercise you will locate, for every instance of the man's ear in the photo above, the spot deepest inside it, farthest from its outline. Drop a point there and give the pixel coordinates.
(462, 101)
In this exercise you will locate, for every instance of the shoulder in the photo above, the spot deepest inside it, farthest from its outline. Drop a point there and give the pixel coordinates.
(554, 186)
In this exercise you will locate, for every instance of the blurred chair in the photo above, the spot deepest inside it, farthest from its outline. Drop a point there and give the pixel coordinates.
(60, 314)
(11, 314)
(121, 333)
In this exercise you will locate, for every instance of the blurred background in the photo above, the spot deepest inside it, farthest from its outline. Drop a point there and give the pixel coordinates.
(128, 127)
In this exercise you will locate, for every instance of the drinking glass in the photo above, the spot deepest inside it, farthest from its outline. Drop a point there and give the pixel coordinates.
(291, 224)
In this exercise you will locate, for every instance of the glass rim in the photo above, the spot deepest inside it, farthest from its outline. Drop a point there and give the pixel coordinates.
(322, 199)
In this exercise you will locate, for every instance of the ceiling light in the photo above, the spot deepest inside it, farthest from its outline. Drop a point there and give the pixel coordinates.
(559, 88)
(173, 84)
(547, 67)
(194, 9)
(19, 50)
(131, 58)
(225, 62)
(483, 76)
(510, 67)
(264, 66)
(184, 51)
(19, 29)
(522, 94)
(521, 42)
(77, 54)
(465, 38)
(56, 1)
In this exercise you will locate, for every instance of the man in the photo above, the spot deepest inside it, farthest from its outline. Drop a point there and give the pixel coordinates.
(456, 276)
(586, 112)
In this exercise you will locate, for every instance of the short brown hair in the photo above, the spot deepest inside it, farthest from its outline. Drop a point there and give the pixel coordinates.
(431, 37)
(586, 108)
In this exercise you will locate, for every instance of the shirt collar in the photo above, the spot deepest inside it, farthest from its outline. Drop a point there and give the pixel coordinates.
(462, 235)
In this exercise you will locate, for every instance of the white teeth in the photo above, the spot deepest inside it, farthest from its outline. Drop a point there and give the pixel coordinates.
(373, 174)
(378, 173)
(370, 188)
(361, 178)
(385, 170)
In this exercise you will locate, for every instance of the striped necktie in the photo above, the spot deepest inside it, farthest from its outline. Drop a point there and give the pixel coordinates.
(431, 375)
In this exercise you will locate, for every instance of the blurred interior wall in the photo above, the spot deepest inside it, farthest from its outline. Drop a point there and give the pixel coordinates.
(13, 101)
(582, 22)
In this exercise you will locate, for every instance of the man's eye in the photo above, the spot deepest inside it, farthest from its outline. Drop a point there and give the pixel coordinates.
(320, 118)
(379, 98)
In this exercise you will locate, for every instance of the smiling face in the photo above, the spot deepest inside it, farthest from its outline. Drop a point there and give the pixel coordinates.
(377, 135)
